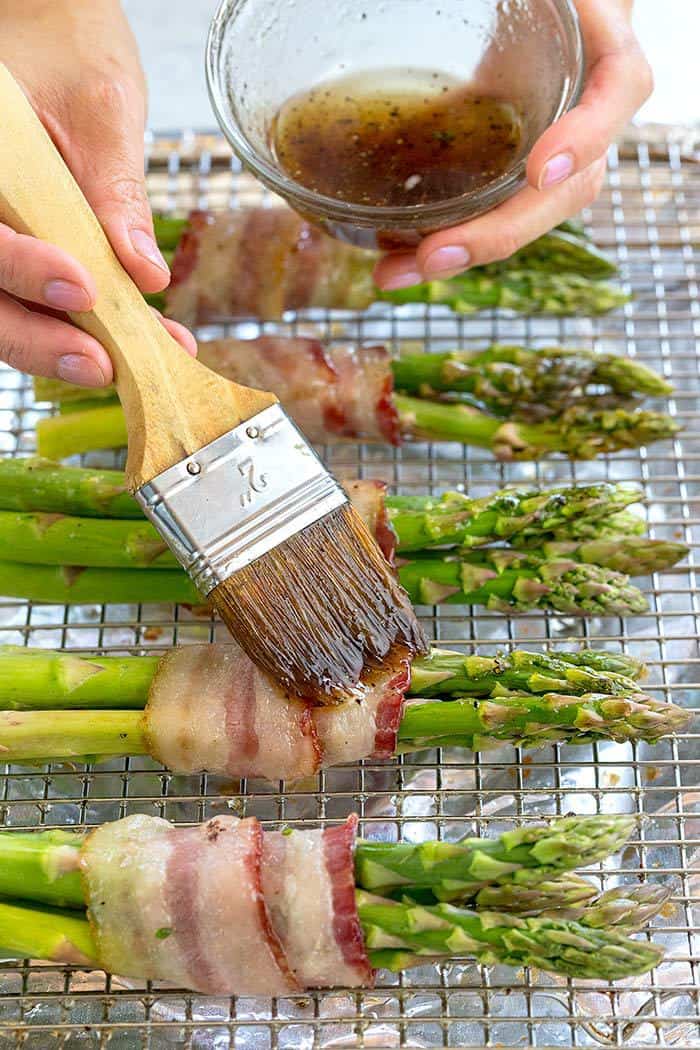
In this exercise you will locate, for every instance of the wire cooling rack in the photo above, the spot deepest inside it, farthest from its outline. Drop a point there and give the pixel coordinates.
(649, 218)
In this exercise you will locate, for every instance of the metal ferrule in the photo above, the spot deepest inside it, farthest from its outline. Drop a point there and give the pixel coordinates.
(239, 497)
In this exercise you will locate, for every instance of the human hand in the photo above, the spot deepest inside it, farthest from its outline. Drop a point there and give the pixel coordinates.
(565, 169)
(78, 63)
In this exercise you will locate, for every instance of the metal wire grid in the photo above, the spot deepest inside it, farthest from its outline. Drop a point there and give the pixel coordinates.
(649, 216)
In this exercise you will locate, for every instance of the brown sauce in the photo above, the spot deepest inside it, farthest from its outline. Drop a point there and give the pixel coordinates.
(395, 138)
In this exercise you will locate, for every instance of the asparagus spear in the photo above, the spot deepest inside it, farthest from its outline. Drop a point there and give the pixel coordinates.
(633, 555)
(44, 865)
(40, 538)
(523, 291)
(605, 661)
(455, 870)
(44, 485)
(481, 578)
(561, 513)
(65, 584)
(627, 908)
(443, 672)
(508, 379)
(398, 935)
(578, 432)
(531, 721)
(521, 513)
(414, 933)
(60, 436)
(509, 581)
(46, 933)
(45, 679)
(55, 539)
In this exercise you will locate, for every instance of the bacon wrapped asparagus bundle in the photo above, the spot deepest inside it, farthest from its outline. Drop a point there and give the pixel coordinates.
(344, 392)
(225, 908)
(261, 262)
(207, 708)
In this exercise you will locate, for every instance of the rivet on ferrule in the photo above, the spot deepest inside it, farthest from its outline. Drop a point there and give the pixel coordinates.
(193, 468)
(253, 432)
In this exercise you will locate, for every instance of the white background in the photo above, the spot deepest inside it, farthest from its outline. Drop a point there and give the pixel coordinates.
(171, 34)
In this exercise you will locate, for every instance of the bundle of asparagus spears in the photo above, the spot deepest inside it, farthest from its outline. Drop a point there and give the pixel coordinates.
(227, 908)
(519, 403)
(222, 261)
(73, 536)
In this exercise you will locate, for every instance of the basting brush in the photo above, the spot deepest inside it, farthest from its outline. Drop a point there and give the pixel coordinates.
(230, 483)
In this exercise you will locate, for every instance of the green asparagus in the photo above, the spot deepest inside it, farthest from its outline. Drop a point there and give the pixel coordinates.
(507, 380)
(453, 870)
(578, 432)
(519, 514)
(626, 908)
(510, 581)
(443, 672)
(398, 935)
(523, 291)
(632, 555)
(566, 512)
(531, 721)
(65, 584)
(46, 679)
(96, 428)
(44, 485)
(515, 381)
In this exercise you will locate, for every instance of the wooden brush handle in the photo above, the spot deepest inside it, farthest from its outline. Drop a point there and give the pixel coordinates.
(173, 405)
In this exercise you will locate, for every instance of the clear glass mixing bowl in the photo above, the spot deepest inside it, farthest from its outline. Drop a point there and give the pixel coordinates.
(261, 52)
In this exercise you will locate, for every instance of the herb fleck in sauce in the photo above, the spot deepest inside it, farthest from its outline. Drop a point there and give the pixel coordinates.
(395, 138)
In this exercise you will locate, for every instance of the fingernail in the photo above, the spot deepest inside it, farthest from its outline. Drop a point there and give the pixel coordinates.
(401, 280)
(446, 262)
(145, 245)
(557, 170)
(65, 295)
(80, 369)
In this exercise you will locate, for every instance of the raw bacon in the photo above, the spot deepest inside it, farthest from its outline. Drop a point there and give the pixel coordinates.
(260, 262)
(185, 905)
(332, 392)
(309, 887)
(210, 708)
(368, 499)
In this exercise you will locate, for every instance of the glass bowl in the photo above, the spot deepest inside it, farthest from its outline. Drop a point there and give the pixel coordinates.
(261, 52)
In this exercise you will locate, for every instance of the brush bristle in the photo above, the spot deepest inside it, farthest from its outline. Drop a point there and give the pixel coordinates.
(319, 609)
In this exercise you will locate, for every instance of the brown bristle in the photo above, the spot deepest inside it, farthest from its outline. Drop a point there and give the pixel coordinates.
(320, 608)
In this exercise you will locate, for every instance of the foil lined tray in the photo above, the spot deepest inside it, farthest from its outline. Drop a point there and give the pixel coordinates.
(648, 218)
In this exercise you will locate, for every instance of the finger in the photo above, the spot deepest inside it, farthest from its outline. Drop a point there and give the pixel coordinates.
(102, 141)
(178, 331)
(618, 82)
(47, 346)
(494, 236)
(42, 273)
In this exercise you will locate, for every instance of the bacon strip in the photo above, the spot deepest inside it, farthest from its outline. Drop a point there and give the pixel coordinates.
(210, 708)
(184, 905)
(260, 262)
(369, 500)
(331, 393)
(309, 886)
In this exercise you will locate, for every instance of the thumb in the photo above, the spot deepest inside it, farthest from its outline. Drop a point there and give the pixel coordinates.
(102, 141)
